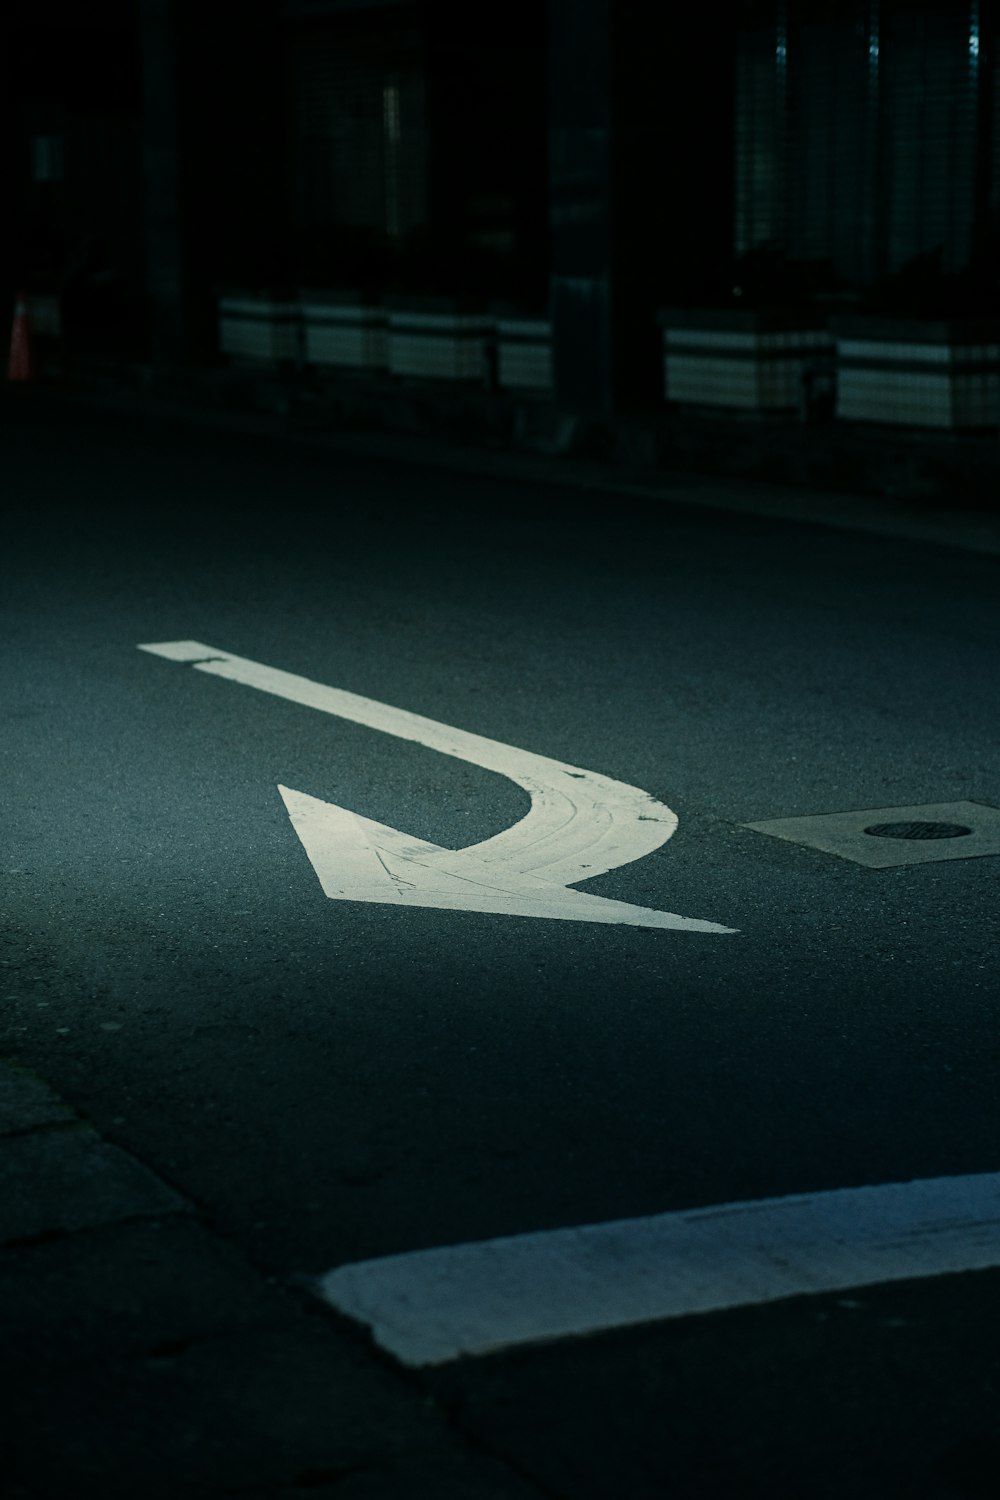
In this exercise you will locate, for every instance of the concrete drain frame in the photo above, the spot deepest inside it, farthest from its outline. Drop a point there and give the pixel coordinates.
(884, 837)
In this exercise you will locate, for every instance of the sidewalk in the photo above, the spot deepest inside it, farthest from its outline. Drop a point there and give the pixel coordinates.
(923, 485)
(142, 1355)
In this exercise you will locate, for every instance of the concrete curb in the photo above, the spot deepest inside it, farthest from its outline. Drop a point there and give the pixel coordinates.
(941, 490)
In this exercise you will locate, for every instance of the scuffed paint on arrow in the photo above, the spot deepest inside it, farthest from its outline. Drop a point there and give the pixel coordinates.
(579, 825)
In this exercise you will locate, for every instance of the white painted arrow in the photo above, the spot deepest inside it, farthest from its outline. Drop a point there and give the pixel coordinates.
(579, 825)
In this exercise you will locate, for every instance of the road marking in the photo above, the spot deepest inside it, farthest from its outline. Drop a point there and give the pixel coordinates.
(579, 825)
(431, 1306)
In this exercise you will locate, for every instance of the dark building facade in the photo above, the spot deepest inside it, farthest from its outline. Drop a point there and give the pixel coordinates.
(415, 156)
(586, 160)
(867, 143)
(72, 161)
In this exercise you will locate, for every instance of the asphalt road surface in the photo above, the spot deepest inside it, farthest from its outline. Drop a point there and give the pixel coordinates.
(337, 1080)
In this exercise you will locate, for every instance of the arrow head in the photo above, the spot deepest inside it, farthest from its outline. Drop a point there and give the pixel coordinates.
(357, 859)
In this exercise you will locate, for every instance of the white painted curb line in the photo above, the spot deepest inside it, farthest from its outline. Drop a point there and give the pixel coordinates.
(435, 1305)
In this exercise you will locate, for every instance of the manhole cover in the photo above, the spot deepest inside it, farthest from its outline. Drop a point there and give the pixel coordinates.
(918, 830)
(919, 833)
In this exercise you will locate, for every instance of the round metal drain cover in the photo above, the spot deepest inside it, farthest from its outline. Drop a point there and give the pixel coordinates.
(918, 830)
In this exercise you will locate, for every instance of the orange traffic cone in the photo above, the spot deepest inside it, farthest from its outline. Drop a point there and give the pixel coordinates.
(21, 365)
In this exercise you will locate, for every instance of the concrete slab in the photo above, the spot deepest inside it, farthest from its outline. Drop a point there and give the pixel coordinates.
(66, 1179)
(124, 1289)
(26, 1102)
(269, 1409)
(461, 1475)
(845, 835)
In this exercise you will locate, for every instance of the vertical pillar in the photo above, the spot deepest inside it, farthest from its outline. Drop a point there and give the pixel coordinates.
(640, 185)
(580, 282)
(984, 38)
(166, 270)
(13, 175)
